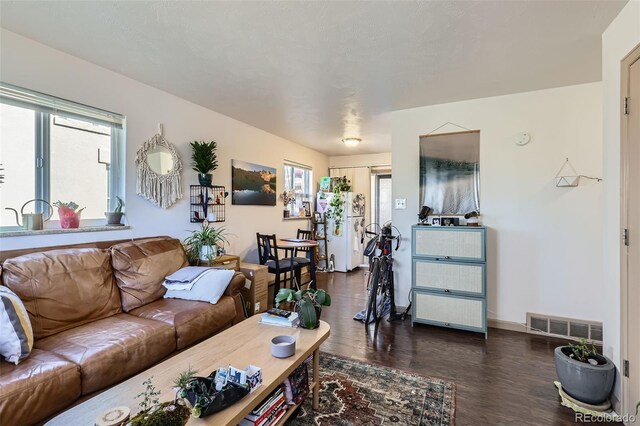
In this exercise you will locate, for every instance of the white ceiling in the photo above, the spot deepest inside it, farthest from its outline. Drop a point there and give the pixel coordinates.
(314, 72)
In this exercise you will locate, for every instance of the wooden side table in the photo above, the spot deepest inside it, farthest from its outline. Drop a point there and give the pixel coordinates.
(228, 261)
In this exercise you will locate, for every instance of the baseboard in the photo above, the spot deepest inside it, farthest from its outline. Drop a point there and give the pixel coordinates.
(507, 325)
(616, 404)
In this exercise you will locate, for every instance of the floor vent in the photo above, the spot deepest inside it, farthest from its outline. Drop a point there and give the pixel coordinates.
(570, 328)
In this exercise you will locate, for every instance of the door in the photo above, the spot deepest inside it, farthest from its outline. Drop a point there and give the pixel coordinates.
(630, 131)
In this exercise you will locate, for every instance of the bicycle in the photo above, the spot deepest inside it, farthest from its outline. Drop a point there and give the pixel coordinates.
(380, 284)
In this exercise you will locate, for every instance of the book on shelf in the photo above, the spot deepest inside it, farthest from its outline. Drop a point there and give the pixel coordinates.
(268, 412)
(291, 321)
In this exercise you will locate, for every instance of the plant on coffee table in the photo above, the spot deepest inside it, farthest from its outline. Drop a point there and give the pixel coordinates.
(308, 303)
(154, 413)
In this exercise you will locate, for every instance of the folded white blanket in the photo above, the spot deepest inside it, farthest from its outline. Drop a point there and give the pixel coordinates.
(185, 278)
(208, 287)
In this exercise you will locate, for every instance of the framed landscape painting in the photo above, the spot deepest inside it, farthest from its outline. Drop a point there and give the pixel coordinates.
(252, 184)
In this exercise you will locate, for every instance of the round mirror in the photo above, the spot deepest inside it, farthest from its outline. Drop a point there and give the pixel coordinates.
(160, 160)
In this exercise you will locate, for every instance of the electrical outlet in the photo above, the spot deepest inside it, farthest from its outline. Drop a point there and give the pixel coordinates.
(256, 308)
(401, 203)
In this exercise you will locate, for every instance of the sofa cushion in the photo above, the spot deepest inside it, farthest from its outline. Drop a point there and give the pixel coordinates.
(16, 334)
(193, 321)
(141, 265)
(38, 387)
(62, 289)
(112, 349)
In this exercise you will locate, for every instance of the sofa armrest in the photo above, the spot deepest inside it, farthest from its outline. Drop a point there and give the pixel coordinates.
(233, 290)
(236, 284)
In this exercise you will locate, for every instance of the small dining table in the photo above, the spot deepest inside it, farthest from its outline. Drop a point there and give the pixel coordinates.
(297, 243)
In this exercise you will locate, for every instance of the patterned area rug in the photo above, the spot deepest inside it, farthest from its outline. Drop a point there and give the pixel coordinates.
(356, 393)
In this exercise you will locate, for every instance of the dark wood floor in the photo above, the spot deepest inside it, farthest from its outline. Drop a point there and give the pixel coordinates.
(506, 380)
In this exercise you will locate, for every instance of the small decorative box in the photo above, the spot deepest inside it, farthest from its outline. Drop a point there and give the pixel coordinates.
(254, 377)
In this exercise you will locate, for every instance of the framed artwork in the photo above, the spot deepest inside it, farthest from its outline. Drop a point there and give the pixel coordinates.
(252, 184)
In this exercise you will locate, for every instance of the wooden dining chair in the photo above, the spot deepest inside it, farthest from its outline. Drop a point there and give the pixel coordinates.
(307, 252)
(268, 256)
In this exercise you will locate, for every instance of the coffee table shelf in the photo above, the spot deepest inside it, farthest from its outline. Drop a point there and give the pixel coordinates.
(241, 345)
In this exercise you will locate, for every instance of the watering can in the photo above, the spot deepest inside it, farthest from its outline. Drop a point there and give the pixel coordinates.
(32, 221)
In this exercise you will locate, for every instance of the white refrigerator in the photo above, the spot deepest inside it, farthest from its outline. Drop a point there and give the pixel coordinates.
(345, 247)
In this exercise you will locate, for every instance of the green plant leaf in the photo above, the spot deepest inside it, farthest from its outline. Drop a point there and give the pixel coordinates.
(308, 313)
(283, 294)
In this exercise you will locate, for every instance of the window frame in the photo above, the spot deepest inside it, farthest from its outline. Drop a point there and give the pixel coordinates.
(44, 107)
(288, 185)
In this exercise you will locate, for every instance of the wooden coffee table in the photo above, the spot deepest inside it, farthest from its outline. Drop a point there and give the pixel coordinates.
(246, 343)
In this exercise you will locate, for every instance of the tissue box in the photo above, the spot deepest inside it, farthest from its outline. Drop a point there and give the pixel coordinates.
(254, 377)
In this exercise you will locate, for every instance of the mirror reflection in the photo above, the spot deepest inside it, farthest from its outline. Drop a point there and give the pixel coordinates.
(160, 160)
(450, 172)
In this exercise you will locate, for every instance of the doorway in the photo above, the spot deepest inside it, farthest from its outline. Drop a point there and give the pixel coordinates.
(383, 199)
(630, 255)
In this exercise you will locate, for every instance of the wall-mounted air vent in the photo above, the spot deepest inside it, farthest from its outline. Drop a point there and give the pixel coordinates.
(570, 328)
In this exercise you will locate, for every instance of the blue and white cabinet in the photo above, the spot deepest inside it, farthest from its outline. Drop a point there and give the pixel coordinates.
(449, 278)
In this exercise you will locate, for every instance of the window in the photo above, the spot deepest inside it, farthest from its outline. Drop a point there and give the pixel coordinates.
(299, 179)
(53, 149)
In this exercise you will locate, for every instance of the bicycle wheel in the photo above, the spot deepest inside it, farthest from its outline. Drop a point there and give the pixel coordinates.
(373, 292)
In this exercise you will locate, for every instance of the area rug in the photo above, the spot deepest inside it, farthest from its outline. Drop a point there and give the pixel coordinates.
(357, 393)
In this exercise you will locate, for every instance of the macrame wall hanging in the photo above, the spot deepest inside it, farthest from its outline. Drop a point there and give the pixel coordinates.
(159, 180)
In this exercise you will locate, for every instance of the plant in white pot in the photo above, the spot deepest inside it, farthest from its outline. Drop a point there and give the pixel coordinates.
(585, 374)
(202, 244)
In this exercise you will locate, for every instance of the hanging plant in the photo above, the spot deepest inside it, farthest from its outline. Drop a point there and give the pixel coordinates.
(336, 205)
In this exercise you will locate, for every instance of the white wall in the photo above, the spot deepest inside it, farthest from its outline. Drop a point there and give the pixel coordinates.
(544, 243)
(381, 159)
(622, 35)
(35, 66)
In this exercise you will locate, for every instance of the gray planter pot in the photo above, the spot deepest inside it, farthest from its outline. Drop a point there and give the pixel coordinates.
(113, 218)
(585, 382)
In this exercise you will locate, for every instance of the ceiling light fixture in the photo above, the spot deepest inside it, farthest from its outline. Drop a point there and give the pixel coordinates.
(351, 141)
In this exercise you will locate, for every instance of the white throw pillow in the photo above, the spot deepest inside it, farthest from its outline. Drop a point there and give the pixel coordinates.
(209, 287)
(16, 334)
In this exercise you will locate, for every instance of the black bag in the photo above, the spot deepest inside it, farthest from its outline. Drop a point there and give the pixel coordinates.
(201, 392)
(371, 246)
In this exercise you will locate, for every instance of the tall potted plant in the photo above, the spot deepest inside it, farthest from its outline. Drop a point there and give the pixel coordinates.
(202, 244)
(585, 374)
(308, 304)
(204, 160)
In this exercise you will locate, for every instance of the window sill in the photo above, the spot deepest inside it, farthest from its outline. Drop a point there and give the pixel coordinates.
(25, 233)
(298, 218)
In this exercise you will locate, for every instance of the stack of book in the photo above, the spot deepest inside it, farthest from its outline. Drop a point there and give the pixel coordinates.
(290, 320)
(269, 412)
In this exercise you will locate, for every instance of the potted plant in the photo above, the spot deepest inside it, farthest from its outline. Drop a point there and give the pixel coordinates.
(585, 374)
(336, 205)
(69, 214)
(288, 197)
(202, 244)
(153, 412)
(115, 217)
(204, 160)
(308, 304)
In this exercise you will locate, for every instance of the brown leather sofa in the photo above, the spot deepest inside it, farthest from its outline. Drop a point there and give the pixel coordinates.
(98, 317)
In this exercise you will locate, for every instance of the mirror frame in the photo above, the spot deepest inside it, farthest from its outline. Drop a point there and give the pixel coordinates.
(162, 190)
(477, 176)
